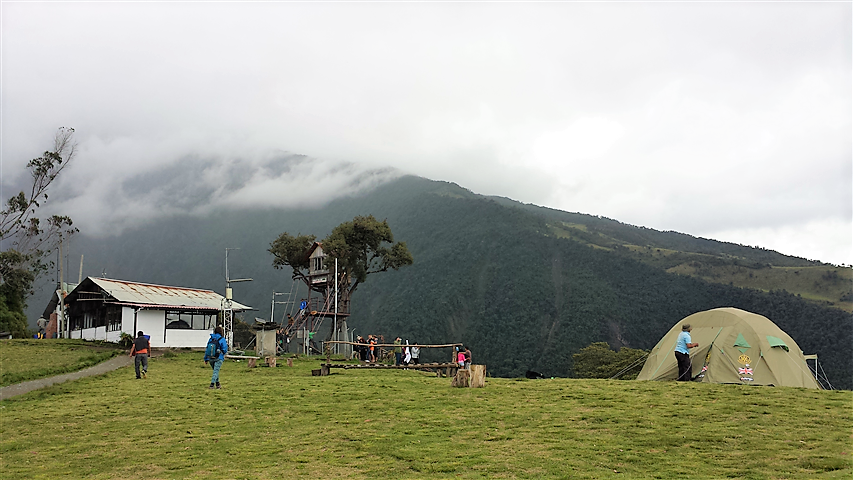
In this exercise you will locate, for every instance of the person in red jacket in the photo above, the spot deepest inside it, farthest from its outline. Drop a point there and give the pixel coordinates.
(141, 350)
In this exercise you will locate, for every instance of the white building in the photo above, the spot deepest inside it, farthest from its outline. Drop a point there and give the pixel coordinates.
(101, 309)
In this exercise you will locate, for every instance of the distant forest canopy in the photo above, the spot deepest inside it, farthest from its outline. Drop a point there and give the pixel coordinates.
(525, 287)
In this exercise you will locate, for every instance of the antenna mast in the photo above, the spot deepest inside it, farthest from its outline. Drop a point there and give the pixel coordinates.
(227, 304)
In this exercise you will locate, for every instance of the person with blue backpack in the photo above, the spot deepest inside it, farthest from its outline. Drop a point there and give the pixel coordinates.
(214, 354)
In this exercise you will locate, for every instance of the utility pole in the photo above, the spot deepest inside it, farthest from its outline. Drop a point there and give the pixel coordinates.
(335, 328)
(227, 310)
(62, 296)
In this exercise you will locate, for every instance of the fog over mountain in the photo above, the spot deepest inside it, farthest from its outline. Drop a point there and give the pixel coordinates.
(203, 186)
(727, 120)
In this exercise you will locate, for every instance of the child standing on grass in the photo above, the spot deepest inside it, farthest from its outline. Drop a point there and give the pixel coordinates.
(218, 356)
(460, 357)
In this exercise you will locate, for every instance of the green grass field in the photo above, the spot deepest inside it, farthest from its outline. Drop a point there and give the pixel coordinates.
(282, 422)
(22, 360)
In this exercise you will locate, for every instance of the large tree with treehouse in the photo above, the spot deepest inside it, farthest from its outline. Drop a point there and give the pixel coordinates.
(334, 267)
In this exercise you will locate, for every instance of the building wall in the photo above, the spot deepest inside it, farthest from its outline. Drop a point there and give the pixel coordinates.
(95, 333)
(186, 338)
(153, 323)
(127, 321)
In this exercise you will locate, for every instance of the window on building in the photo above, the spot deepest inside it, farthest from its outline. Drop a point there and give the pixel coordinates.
(190, 321)
(318, 264)
(113, 318)
(88, 320)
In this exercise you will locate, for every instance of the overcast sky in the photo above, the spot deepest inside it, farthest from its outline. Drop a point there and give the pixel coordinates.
(729, 121)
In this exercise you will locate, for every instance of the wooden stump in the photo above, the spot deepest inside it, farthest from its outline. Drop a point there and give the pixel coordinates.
(478, 376)
(462, 379)
(324, 370)
(252, 363)
(289, 362)
(270, 361)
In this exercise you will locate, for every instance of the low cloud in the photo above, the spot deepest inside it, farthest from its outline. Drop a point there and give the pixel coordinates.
(703, 117)
(200, 185)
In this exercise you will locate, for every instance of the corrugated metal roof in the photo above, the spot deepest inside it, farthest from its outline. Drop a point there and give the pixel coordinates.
(144, 294)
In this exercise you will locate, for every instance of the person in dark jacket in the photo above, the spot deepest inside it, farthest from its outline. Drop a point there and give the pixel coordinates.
(361, 348)
(216, 360)
(141, 350)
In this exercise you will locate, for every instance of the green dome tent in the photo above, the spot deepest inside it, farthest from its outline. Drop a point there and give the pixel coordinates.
(735, 346)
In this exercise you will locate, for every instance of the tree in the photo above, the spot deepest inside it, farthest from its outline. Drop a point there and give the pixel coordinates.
(361, 247)
(290, 251)
(26, 238)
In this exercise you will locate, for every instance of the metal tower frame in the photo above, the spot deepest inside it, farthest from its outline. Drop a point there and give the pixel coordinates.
(227, 303)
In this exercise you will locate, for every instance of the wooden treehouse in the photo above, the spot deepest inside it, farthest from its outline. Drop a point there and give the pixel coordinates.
(327, 306)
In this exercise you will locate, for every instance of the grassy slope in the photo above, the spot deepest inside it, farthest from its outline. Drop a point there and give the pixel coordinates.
(811, 280)
(22, 360)
(284, 423)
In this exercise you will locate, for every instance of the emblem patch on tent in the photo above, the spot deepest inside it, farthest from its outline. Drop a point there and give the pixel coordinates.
(744, 359)
(745, 370)
(746, 379)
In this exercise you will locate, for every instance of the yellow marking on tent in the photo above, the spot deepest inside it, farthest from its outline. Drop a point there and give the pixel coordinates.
(743, 359)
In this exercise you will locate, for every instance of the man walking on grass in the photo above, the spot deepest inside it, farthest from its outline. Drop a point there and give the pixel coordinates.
(214, 354)
(141, 351)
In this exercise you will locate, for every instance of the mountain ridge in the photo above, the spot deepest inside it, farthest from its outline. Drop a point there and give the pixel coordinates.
(522, 287)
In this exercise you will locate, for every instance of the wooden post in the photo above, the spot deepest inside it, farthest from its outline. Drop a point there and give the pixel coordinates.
(462, 379)
(252, 363)
(478, 376)
(324, 370)
(270, 361)
(289, 362)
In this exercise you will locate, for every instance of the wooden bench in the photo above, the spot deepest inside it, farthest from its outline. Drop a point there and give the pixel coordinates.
(449, 369)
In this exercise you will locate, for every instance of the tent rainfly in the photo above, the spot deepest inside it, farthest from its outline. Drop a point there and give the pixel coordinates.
(735, 346)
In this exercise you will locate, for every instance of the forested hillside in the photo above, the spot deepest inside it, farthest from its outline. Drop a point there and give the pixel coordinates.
(525, 287)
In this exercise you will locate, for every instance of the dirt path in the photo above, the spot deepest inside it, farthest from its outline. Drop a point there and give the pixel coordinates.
(101, 368)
